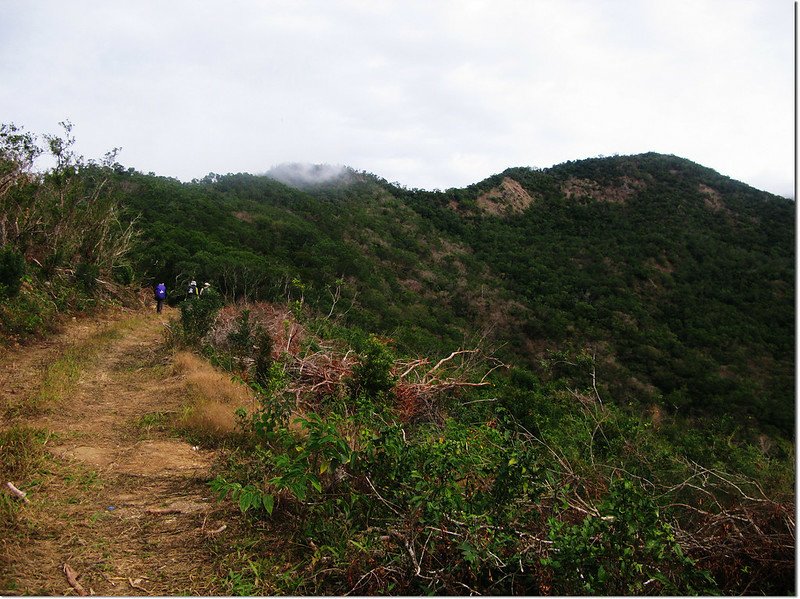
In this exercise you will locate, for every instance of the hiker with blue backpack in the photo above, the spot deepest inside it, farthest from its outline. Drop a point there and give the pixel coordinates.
(160, 295)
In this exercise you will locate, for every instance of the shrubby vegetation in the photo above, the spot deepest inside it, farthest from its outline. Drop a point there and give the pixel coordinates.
(679, 279)
(64, 243)
(381, 474)
(578, 473)
(622, 422)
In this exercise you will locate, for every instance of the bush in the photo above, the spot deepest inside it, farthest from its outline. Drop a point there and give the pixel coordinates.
(263, 361)
(12, 269)
(372, 375)
(30, 312)
(628, 547)
(86, 275)
(122, 274)
(197, 315)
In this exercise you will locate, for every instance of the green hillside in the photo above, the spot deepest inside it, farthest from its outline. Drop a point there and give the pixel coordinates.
(678, 280)
(577, 380)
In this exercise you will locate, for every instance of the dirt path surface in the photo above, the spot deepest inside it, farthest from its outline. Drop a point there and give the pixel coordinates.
(120, 499)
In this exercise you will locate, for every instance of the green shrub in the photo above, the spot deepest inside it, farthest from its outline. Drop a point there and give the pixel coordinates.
(28, 313)
(629, 549)
(197, 315)
(373, 374)
(240, 339)
(86, 275)
(122, 274)
(263, 362)
(12, 269)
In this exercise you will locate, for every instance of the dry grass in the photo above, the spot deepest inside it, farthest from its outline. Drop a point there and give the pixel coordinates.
(213, 398)
(56, 380)
(21, 452)
(186, 362)
(209, 421)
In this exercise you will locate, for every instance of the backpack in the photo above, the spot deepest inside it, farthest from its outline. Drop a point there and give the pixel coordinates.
(161, 291)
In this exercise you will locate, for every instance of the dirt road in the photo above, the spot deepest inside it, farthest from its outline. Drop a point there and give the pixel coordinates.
(118, 498)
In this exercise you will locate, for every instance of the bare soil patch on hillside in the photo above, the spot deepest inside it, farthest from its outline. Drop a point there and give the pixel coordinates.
(121, 499)
(507, 198)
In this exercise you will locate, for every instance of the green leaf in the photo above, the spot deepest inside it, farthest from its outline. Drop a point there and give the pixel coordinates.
(244, 501)
(359, 545)
(602, 575)
(299, 490)
(269, 503)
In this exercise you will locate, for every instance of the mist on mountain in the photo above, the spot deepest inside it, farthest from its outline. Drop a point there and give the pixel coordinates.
(305, 175)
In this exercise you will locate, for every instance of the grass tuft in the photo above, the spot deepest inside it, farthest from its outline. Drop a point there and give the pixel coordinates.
(21, 452)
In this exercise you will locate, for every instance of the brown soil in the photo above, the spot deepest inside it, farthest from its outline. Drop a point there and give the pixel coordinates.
(121, 500)
(712, 198)
(507, 198)
(615, 194)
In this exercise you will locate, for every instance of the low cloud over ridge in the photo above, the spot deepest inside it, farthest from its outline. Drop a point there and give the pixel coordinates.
(297, 174)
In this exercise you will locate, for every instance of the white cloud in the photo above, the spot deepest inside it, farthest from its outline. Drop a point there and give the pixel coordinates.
(429, 94)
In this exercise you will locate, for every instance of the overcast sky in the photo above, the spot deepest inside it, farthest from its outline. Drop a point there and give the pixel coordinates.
(432, 94)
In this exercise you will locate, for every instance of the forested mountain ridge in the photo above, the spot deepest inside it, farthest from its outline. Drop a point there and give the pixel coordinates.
(679, 280)
(576, 380)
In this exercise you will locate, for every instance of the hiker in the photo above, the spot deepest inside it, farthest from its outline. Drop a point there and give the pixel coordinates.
(206, 287)
(160, 296)
(192, 289)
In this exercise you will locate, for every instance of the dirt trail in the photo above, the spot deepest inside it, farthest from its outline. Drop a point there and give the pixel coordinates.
(125, 504)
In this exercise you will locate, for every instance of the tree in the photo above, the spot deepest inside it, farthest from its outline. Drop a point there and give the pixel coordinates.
(66, 216)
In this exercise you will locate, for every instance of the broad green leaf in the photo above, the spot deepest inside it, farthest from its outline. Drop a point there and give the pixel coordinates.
(268, 502)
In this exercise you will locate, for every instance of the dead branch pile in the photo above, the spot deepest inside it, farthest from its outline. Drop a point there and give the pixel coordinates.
(320, 373)
(317, 368)
(419, 386)
(746, 539)
(286, 333)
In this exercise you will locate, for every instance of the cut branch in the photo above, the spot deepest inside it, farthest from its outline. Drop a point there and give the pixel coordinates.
(21, 495)
(72, 579)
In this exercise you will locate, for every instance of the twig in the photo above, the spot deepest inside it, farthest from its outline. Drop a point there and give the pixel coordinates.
(410, 548)
(466, 403)
(451, 356)
(471, 590)
(21, 495)
(356, 585)
(72, 579)
(135, 584)
(386, 503)
(445, 531)
(413, 366)
(218, 530)
(594, 378)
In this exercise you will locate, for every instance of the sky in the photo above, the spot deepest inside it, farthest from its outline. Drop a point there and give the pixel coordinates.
(432, 94)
